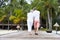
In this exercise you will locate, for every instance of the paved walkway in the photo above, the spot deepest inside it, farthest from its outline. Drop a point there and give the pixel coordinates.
(24, 35)
(3, 32)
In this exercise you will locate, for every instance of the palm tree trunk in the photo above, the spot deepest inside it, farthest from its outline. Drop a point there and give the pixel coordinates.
(49, 21)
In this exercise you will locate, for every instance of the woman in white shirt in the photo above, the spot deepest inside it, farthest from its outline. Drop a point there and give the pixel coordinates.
(36, 20)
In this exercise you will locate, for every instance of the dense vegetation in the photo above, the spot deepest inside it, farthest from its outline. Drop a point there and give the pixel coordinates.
(16, 11)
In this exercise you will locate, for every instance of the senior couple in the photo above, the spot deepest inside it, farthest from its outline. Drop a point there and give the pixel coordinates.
(33, 18)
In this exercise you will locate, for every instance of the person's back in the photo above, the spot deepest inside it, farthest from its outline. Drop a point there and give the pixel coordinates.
(29, 16)
(36, 14)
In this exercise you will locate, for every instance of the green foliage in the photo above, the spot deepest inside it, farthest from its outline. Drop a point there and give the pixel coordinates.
(2, 18)
(16, 16)
(18, 9)
(17, 12)
(12, 17)
(2, 14)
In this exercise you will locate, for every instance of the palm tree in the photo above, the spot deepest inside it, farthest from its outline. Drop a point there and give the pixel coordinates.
(46, 7)
(50, 4)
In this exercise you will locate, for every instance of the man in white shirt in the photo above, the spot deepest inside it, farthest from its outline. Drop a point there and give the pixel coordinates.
(30, 21)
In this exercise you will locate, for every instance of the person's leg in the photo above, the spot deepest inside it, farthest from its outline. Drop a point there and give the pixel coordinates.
(29, 24)
(36, 26)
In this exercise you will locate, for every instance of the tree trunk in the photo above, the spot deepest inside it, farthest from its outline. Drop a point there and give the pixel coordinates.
(49, 21)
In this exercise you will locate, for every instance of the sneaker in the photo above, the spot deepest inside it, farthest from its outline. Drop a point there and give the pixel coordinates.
(36, 33)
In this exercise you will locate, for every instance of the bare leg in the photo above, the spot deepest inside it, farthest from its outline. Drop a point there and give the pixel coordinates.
(36, 27)
(36, 31)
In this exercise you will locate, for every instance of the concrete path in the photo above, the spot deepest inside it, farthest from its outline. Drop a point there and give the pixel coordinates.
(3, 32)
(24, 35)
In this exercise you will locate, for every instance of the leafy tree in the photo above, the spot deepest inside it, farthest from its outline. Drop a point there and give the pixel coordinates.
(46, 7)
(2, 14)
(18, 11)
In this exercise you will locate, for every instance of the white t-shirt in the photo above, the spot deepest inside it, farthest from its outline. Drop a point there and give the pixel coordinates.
(36, 15)
(30, 16)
